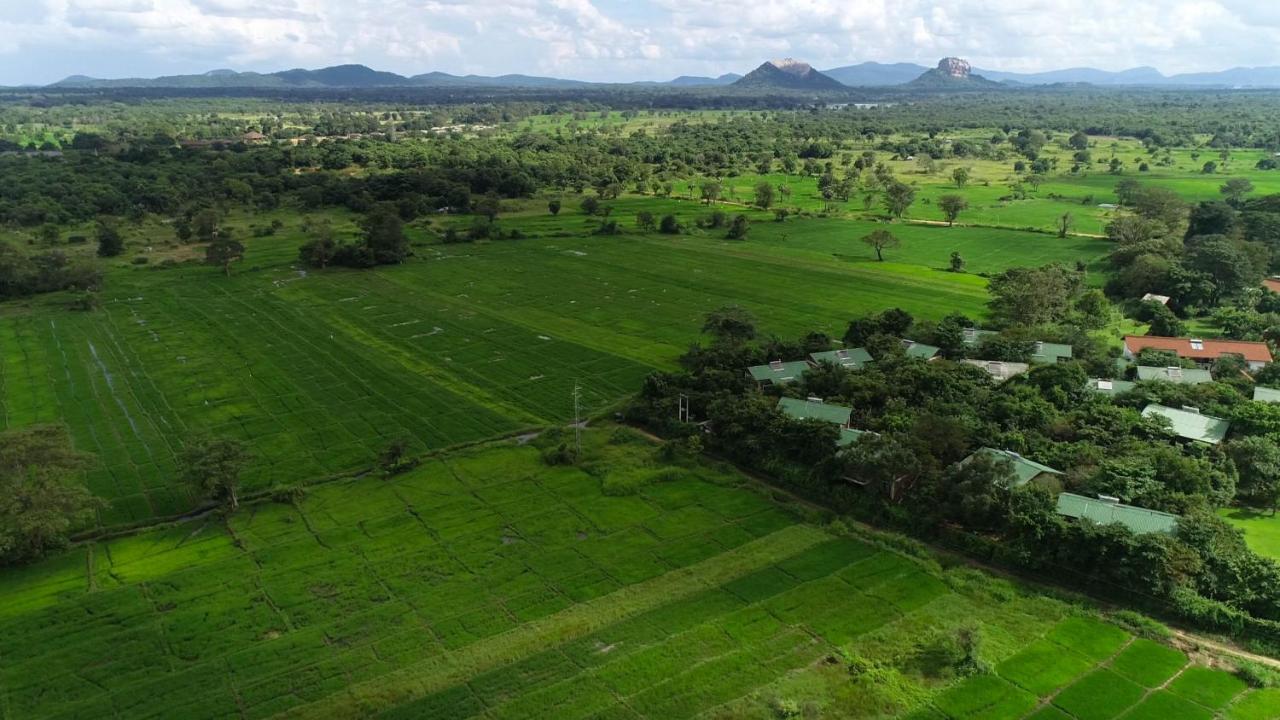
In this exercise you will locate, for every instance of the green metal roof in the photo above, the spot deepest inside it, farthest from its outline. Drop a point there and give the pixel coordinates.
(1046, 352)
(1266, 394)
(1024, 470)
(849, 436)
(1182, 376)
(853, 358)
(1104, 386)
(1191, 425)
(919, 350)
(778, 372)
(1105, 512)
(814, 410)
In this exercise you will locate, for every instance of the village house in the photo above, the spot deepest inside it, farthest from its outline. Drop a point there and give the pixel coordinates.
(1256, 355)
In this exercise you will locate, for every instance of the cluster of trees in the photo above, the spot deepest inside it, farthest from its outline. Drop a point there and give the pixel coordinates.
(926, 417)
(1202, 256)
(383, 242)
(23, 274)
(43, 499)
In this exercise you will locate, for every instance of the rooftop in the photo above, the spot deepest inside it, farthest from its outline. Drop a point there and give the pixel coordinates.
(849, 436)
(1266, 394)
(1182, 376)
(1108, 387)
(1024, 470)
(1000, 370)
(1108, 512)
(1198, 349)
(1190, 424)
(853, 358)
(1046, 352)
(779, 372)
(814, 409)
(919, 350)
(1152, 297)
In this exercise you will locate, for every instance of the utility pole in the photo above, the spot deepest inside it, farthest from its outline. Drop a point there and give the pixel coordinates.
(683, 413)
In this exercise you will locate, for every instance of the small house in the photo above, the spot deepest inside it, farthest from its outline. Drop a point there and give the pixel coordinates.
(1050, 353)
(1104, 386)
(1190, 424)
(919, 350)
(1000, 370)
(1024, 470)
(1266, 394)
(1179, 375)
(814, 409)
(778, 372)
(1272, 283)
(1109, 511)
(1256, 355)
(1152, 297)
(848, 358)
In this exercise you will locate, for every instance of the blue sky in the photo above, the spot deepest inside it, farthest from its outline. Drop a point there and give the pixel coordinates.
(45, 40)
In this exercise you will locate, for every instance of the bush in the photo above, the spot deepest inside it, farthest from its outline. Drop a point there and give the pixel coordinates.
(1141, 625)
(669, 225)
(140, 260)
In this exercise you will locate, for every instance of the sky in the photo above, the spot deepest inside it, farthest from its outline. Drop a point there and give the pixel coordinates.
(43, 41)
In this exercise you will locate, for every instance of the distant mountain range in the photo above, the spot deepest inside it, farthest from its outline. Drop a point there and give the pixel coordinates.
(778, 74)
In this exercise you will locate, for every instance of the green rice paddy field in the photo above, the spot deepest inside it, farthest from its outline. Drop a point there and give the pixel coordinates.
(317, 371)
(486, 584)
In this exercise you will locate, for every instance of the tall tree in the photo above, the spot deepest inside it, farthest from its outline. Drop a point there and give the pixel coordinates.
(731, 324)
(880, 240)
(1235, 189)
(1257, 459)
(1064, 223)
(961, 177)
(898, 197)
(1031, 296)
(41, 500)
(384, 235)
(764, 195)
(951, 206)
(110, 241)
(212, 467)
(223, 250)
(320, 250)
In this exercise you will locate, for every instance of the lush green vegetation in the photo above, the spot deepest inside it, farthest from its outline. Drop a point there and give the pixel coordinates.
(488, 583)
(260, 347)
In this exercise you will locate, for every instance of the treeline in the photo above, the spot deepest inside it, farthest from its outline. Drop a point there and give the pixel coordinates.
(924, 418)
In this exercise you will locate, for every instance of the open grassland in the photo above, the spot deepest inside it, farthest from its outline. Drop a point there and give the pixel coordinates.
(1261, 529)
(317, 371)
(485, 584)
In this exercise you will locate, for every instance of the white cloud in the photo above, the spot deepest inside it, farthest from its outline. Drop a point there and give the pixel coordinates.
(622, 39)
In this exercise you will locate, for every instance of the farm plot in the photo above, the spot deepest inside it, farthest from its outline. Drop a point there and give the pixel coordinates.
(487, 584)
(317, 372)
(1085, 670)
(484, 583)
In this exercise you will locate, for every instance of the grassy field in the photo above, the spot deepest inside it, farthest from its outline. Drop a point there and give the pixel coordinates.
(486, 584)
(1261, 529)
(318, 371)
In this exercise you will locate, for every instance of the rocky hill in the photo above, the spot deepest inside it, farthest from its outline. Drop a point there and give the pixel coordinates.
(788, 74)
(952, 74)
